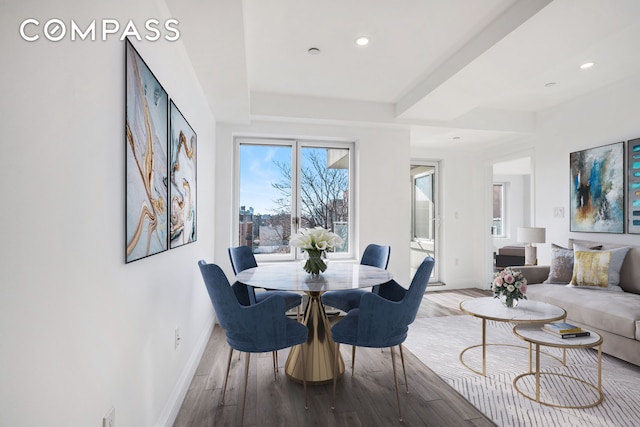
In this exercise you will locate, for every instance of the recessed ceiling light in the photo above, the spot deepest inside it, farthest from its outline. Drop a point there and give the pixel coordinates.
(587, 65)
(362, 41)
(314, 51)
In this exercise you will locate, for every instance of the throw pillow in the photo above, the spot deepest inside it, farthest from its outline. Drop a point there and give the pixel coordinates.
(561, 268)
(597, 269)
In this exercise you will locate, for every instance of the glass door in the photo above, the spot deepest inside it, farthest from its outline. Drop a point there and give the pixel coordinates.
(424, 215)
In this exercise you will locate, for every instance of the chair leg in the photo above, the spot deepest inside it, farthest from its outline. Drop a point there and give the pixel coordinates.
(353, 358)
(335, 375)
(274, 356)
(304, 376)
(395, 379)
(403, 369)
(226, 377)
(246, 380)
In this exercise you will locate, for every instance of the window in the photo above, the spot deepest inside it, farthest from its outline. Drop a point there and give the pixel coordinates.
(287, 184)
(498, 228)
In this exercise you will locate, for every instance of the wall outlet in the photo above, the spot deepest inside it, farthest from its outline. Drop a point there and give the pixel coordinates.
(176, 341)
(109, 420)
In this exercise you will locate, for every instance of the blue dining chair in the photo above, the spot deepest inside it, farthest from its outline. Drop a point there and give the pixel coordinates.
(380, 322)
(242, 258)
(346, 300)
(257, 328)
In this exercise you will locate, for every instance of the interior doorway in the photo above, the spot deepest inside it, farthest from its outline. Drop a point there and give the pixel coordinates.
(512, 203)
(425, 218)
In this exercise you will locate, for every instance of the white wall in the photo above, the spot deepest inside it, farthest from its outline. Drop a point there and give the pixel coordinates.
(462, 213)
(605, 116)
(81, 330)
(382, 170)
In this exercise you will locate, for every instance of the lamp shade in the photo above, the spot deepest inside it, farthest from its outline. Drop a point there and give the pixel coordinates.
(531, 234)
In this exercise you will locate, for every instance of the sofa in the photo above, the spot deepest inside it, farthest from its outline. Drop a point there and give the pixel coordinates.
(611, 311)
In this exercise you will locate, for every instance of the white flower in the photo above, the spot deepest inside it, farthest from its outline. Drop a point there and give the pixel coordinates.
(317, 239)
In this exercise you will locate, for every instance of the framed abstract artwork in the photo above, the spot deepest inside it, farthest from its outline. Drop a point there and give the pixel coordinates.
(597, 189)
(182, 183)
(633, 185)
(146, 135)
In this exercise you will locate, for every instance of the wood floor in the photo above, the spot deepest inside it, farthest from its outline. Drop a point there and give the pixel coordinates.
(366, 399)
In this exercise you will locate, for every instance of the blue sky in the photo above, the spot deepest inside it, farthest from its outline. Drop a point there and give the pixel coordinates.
(257, 174)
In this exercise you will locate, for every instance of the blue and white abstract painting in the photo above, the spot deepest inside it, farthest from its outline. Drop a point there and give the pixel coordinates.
(597, 189)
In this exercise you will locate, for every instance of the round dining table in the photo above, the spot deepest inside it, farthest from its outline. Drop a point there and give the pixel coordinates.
(290, 276)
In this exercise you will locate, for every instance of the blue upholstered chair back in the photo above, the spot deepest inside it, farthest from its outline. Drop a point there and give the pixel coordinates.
(242, 258)
(376, 256)
(257, 328)
(380, 322)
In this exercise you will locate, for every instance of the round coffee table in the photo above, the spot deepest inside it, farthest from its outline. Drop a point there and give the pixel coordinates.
(534, 335)
(489, 308)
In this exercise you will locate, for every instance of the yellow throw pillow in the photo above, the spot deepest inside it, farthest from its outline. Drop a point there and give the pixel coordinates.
(591, 269)
(597, 269)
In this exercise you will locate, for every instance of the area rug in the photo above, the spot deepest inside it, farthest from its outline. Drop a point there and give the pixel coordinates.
(437, 342)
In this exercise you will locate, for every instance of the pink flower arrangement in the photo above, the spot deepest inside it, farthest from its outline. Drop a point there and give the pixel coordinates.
(509, 285)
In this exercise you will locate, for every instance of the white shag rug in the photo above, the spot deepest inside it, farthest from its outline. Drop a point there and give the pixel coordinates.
(437, 342)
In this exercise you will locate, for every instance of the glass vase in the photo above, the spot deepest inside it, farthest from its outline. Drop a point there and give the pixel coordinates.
(315, 263)
(509, 301)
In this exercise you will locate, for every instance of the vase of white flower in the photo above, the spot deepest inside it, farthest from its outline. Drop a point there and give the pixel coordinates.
(315, 263)
(315, 242)
(510, 286)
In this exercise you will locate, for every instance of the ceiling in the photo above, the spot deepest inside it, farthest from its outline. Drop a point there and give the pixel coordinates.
(457, 73)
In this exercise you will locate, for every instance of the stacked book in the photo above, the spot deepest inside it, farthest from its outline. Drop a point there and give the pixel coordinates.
(565, 330)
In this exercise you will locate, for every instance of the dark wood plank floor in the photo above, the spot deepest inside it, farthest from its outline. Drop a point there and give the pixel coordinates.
(366, 399)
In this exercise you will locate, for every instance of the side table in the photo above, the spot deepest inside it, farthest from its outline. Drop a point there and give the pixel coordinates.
(534, 335)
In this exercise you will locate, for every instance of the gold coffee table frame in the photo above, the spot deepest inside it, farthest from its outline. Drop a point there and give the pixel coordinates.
(489, 308)
(534, 335)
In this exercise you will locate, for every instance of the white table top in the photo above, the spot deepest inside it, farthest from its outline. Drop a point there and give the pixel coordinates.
(534, 334)
(290, 276)
(527, 310)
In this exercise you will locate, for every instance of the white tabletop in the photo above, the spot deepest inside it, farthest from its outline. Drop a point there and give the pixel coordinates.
(536, 335)
(527, 310)
(290, 276)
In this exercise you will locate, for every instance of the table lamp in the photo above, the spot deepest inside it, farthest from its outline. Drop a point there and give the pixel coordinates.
(531, 235)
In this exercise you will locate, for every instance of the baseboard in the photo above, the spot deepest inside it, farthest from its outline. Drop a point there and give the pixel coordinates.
(174, 403)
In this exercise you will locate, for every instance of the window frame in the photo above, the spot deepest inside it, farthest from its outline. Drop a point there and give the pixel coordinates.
(297, 145)
(503, 209)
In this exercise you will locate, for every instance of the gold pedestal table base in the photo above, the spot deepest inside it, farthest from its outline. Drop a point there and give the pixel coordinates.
(319, 349)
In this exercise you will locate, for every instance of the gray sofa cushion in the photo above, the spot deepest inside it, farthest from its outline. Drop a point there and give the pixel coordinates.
(616, 312)
(561, 269)
(630, 271)
(598, 268)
